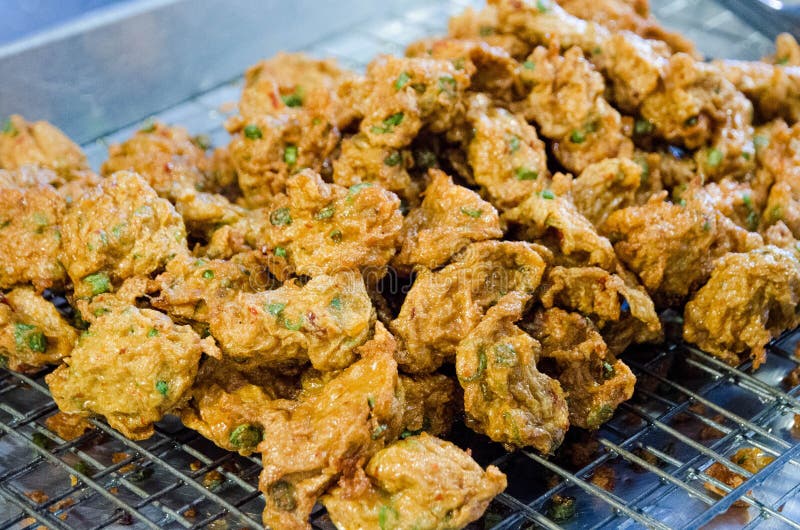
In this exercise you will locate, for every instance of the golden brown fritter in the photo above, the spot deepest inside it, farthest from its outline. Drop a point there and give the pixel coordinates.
(30, 235)
(555, 222)
(421, 482)
(24, 143)
(507, 159)
(401, 95)
(166, 157)
(189, 286)
(617, 304)
(322, 321)
(627, 15)
(131, 366)
(490, 68)
(284, 124)
(605, 187)
(573, 351)
(566, 101)
(773, 88)
(359, 161)
(672, 247)
(749, 299)
(449, 218)
(330, 433)
(32, 332)
(325, 228)
(118, 230)
(430, 404)
(232, 412)
(505, 395)
(483, 25)
(442, 307)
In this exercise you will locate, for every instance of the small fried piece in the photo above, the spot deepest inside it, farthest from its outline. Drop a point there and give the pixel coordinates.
(189, 285)
(68, 426)
(749, 299)
(166, 157)
(672, 247)
(404, 480)
(32, 332)
(330, 433)
(322, 321)
(131, 366)
(449, 218)
(24, 143)
(399, 96)
(607, 186)
(232, 412)
(594, 380)
(555, 222)
(326, 228)
(751, 459)
(507, 158)
(359, 161)
(442, 307)
(118, 230)
(30, 235)
(430, 403)
(773, 88)
(505, 396)
(617, 304)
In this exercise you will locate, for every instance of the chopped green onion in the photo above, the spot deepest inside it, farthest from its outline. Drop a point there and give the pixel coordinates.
(290, 154)
(336, 235)
(336, 303)
(280, 252)
(295, 99)
(371, 402)
(458, 63)
(402, 80)
(393, 159)
(505, 354)
(203, 141)
(355, 188)
(529, 65)
(152, 333)
(276, 308)
(281, 217)
(541, 6)
(208, 274)
(760, 141)
(485, 31)
(481, 366)
(162, 387)
(389, 123)
(608, 370)
(577, 137)
(425, 158)
(513, 143)
(691, 122)
(325, 213)
(378, 431)
(282, 495)
(148, 126)
(714, 157)
(472, 212)
(246, 436)
(706, 225)
(523, 173)
(447, 84)
(642, 127)
(253, 132)
(783, 61)
(9, 128)
(99, 282)
(547, 194)
(384, 513)
(293, 326)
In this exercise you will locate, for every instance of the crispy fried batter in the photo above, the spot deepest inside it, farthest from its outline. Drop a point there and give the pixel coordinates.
(404, 478)
(505, 396)
(749, 299)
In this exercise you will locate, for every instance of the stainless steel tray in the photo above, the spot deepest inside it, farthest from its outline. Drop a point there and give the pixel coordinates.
(653, 444)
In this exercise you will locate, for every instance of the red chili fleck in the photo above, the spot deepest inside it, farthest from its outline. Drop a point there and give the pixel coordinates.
(253, 311)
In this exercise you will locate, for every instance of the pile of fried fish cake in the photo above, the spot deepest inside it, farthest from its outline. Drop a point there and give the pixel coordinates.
(475, 231)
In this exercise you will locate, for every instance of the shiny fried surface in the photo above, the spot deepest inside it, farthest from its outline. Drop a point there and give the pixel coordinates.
(474, 232)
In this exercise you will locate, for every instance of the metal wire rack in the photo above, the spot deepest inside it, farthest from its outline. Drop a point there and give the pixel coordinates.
(689, 410)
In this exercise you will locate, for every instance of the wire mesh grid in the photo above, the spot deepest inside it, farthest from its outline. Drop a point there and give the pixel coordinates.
(647, 467)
